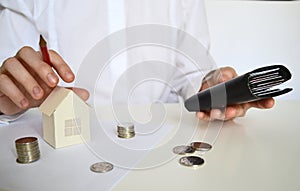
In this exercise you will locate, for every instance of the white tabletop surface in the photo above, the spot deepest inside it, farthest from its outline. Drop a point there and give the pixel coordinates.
(258, 152)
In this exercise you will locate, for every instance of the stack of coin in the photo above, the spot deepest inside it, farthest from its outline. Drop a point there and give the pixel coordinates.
(126, 130)
(27, 149)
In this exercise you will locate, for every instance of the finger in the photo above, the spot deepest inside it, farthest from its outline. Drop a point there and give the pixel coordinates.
(33, 60)
(217, 114)
(240, 110)
(8, 88)
(221, 75)
(8, 107)
(214, 114)
(263, 104)
(61, 67)
(21, 75)
(229, 72)
(226, 73)
(203, 116)
(82, 93)
(234, 111)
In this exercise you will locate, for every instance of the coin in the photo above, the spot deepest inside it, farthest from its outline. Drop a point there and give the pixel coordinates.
(183, 149)
(101, 167)
(26, 141)
(191, 161)
(201, 146)
(126, 130)
(27, 150)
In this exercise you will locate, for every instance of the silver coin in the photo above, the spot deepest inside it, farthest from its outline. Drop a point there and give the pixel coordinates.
(191, 161)
(125, 130)
(126, 136)
(201, 146)
(26, 140)
(27, 150)
(101, 167)
(126, 126)
(183, 149)
(26, 161)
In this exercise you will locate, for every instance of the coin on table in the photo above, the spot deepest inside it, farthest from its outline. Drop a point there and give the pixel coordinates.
(183, 149)
(201, 146)
(191, 161)
(125, 130)
(101, 167)
(27, 150)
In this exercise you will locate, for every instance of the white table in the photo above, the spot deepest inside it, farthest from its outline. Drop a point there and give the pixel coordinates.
(258, 152)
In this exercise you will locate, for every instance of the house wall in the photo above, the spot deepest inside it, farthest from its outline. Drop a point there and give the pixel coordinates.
(82, 109)
(48, 129)
(64, 114)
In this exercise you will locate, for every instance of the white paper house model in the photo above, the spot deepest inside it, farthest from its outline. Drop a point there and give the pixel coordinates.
(65, 118)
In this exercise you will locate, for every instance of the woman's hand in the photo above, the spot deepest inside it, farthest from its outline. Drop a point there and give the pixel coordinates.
(26, 80)
(232, 111)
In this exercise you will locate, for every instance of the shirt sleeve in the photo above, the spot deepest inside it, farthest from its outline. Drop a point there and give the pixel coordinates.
(196, 42)
(17, 30)
(188, 57)
(6, 119)
(18, 27)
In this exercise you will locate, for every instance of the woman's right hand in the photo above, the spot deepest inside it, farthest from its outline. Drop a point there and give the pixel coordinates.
(26, 80)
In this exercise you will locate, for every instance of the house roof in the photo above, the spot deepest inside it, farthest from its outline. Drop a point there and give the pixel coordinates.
(51, 103)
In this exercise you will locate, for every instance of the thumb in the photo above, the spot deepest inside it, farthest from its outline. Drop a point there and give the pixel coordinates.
(82, 93)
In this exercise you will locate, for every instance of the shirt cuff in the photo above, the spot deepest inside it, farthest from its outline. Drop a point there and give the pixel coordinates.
(5, 119)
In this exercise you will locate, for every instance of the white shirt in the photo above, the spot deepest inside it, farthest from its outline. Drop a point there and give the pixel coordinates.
(145, 73)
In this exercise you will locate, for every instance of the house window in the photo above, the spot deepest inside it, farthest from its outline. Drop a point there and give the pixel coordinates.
(72, 127)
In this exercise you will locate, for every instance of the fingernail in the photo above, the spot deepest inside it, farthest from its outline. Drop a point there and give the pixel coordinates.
(36, 90)
(24, 103)
(69, 75)
(52, 78)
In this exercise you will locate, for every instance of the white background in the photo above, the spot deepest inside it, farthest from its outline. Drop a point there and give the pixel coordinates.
(250, 34)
